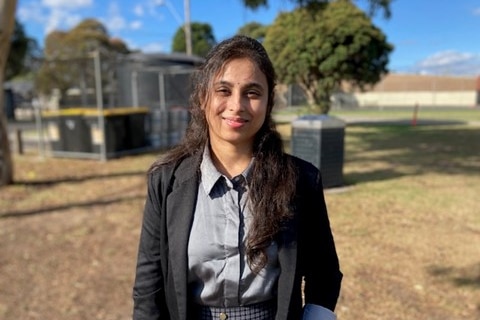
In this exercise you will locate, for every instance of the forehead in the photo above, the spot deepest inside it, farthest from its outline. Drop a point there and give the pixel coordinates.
(240, 69)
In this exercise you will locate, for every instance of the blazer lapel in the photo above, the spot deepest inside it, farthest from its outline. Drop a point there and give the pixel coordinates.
(180, 207)
(287, 258)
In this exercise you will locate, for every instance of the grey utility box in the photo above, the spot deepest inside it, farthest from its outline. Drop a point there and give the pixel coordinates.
(319, 139)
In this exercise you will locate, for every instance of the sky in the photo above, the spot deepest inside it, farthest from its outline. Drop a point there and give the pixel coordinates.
(438, 37)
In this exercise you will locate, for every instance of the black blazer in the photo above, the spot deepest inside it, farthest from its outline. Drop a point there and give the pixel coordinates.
(306, 248)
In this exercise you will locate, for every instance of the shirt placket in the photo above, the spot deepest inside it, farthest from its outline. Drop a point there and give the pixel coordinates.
(233, 236)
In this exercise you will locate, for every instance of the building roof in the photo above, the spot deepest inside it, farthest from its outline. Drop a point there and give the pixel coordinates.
(413, 82)
(165, 58)
(395, 82)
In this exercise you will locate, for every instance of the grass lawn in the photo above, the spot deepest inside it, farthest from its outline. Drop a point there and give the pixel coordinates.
(406, 224)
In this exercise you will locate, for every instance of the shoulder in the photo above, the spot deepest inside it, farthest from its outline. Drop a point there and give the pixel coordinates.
(309, 177)
(302, 164)
(178, 170)
(304, 168)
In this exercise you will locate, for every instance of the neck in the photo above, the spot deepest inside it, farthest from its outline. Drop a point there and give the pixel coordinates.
(230, 160)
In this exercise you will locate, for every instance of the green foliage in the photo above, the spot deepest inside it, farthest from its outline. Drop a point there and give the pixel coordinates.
(255, 4)
(254, 30)
(68, 56)
(374, 5)
(322, 45)
(22, 53)
(202, 39)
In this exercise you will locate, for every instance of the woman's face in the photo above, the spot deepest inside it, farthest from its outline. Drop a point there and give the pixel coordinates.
(237, 104)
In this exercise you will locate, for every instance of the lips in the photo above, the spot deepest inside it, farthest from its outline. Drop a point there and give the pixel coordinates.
(235, 122)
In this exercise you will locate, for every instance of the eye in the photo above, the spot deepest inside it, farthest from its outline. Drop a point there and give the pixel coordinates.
(254, 94)
(223, 91)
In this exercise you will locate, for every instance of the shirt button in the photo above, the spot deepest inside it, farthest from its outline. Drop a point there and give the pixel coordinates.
(223, 316)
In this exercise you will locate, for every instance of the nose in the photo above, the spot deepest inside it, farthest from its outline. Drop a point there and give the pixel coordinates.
(236, 102)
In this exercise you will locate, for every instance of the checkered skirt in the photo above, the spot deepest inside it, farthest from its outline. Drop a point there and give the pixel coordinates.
(259, 311)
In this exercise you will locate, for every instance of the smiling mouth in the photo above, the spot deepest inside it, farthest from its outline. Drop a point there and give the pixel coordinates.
(235, 122)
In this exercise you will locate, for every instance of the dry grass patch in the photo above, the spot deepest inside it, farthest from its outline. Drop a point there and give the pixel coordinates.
(407, 227)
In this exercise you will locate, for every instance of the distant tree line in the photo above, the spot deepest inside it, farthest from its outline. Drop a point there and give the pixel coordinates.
(318, 45)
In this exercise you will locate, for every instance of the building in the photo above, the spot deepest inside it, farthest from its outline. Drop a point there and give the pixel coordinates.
(405, 90)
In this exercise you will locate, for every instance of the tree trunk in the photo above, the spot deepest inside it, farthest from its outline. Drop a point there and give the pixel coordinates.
(7, 22)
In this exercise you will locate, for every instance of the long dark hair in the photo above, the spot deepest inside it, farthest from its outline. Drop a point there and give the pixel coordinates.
(272, 183)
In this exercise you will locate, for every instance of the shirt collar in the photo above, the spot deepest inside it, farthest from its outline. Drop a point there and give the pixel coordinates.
(210, 174)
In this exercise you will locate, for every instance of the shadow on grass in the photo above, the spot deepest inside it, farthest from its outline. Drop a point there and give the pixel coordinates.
(374, 175)
(406, 122)
(461, 277)
(84, 205)
(47, 183)
(386, 151)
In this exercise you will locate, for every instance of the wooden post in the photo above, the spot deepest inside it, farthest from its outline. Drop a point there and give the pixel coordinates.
(18, 136)
(415, 114)
(7, 23)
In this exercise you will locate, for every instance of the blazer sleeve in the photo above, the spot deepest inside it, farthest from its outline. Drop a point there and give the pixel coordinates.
(148, 290)
(317, 253)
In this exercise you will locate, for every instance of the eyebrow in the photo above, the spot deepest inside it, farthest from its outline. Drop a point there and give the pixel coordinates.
(249, 85)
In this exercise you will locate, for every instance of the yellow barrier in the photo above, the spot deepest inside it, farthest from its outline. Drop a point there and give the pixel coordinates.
(94, 112)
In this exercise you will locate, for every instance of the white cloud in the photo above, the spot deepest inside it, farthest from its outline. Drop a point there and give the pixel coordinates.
(135, 25)
(450, 62)
(138, 10)
(31, 12)
(152, 48)
(53, 14)
(114, 21)
(152, 6)
(158, 2)
(445, 58)
(59, 19)
(67, 3)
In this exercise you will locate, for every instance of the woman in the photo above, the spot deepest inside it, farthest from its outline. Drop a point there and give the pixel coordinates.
(232, 225)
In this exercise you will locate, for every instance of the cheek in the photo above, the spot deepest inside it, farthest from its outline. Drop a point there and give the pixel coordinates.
(215, 106)
(260, 109)
(210, 112)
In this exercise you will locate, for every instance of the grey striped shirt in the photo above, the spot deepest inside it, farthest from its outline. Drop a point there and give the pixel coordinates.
(218, 272)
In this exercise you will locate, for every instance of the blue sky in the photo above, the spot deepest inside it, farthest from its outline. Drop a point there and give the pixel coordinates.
(430, 37)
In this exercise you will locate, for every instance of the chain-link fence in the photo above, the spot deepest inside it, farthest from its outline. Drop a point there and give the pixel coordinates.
(103, 104)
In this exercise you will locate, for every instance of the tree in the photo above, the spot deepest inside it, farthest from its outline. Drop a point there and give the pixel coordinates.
(7, 23)
(202, 39)
(373, 5)
(54, 72)
(23, 52)
(321, 45)
(68, 57)
(254, 30)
